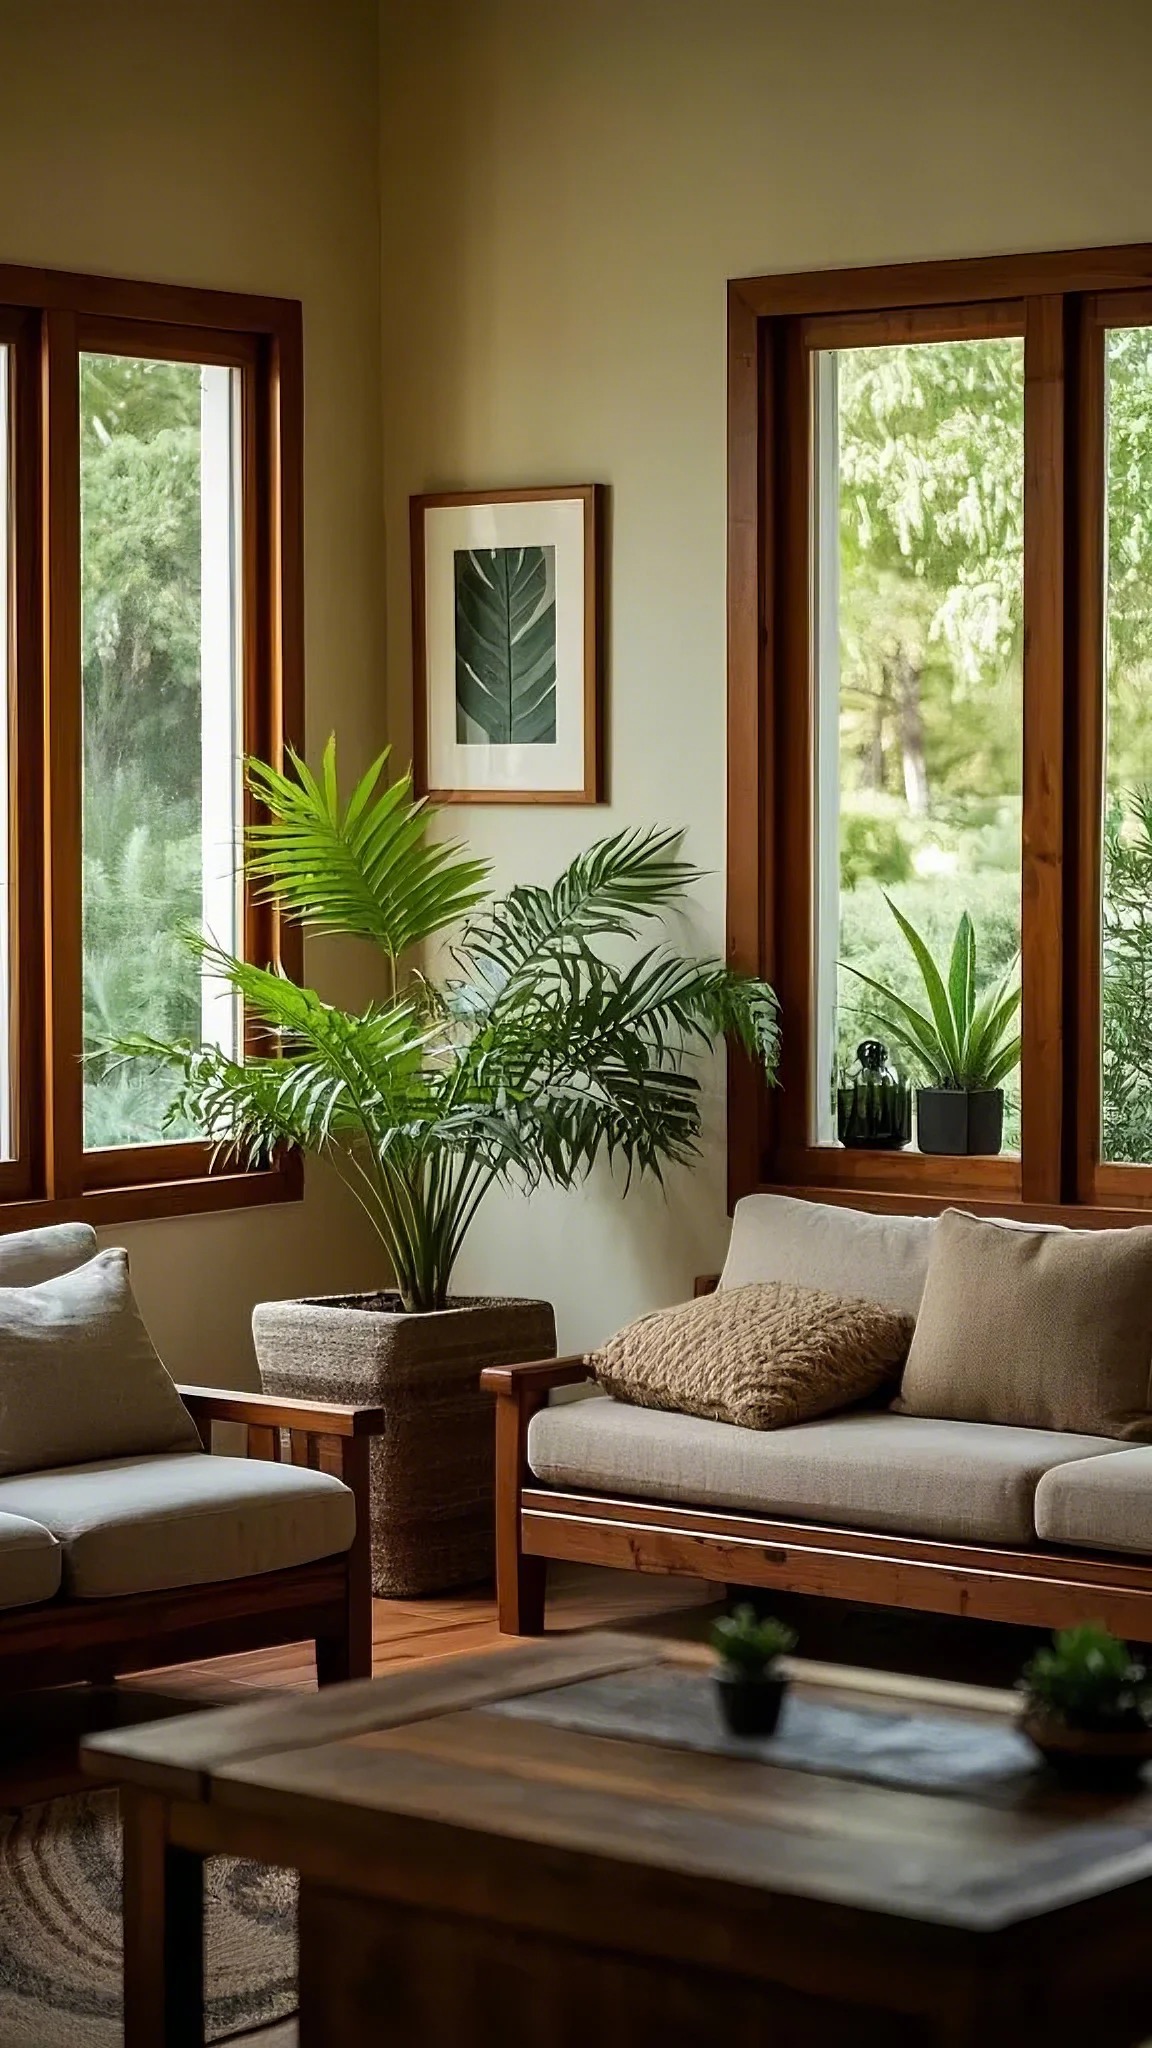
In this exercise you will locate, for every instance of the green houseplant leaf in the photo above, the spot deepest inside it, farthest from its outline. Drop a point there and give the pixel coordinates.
(505, 645)
(551, 1039)
(967, 1041)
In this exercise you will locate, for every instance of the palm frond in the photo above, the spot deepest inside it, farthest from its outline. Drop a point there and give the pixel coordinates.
(367, 868)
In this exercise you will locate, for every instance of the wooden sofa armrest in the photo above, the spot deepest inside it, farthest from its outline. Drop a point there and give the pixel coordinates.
(534, 1378)
(271, 1411)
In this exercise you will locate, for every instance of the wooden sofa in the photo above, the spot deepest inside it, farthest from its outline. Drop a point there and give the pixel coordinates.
(327, 1600)
(1032, 1579)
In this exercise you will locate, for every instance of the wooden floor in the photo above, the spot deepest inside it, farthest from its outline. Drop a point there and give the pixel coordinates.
(407, 1632)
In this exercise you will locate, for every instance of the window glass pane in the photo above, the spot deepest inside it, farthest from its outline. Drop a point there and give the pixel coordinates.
(7, 1077)
(161, 817)
(1126, 994)
(918, 552)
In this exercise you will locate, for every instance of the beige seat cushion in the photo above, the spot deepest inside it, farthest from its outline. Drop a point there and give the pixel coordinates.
(762, 1356)
(79, 1377)
(137, 1525)
(30, 1560)
(1047, 1329)
(958, 1480)
(1099, 1503)
(819, 1244)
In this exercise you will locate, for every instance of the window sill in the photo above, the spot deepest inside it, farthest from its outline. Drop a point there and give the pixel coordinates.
(138, 1202)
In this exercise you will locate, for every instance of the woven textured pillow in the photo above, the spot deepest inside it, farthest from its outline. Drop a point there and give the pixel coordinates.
(762, 1356)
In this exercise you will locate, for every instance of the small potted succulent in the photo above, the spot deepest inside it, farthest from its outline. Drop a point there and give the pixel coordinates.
(1088, 1706)
(965, 1045)
(749, 1683)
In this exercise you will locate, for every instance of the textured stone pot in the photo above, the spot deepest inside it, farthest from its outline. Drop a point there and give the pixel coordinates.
(432, 1469)
(960, 1121)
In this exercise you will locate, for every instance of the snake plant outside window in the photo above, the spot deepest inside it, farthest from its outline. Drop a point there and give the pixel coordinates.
(546, 1042)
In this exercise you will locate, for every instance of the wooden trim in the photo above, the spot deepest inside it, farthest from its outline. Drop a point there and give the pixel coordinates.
(980, 322)
(24, 798)
(63, 964)
(1086, 778)
(1042, 841)
(594, 499)
(884, 287)
(749, 683)
(1042, 1588)
(139, 1202)
(107, 335)
(99, 298)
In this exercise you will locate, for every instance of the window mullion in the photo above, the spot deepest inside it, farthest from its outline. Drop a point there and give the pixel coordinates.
(1042, 1080)
(63, 946)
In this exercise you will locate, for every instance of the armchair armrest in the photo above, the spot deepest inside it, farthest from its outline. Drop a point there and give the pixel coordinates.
(534, 1378)
(270, 1411)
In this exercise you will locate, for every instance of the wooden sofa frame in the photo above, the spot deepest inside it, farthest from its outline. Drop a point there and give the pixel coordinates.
(1039, 1588)
(328, 1602)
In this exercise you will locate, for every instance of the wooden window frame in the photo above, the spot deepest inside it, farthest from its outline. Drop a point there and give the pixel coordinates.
(47, 320)
(1061, 302)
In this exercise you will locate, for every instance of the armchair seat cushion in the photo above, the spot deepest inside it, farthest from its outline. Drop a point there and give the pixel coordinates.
(1099, 1503)
(30, 1559)
(145, 1525)
(958, 1481)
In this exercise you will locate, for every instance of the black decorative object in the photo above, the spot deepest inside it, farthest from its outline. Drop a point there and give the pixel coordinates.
(873, 1102)
(960, 1120)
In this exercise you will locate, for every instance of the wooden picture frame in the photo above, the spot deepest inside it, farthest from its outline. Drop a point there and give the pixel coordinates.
(557, 756)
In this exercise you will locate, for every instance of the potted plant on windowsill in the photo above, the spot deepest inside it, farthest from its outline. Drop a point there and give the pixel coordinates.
(965, 1044)
(750, 1686)
(537, 1049)
(1088, 1706)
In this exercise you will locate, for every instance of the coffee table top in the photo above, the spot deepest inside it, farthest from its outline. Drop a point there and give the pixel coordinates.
(588, 1757)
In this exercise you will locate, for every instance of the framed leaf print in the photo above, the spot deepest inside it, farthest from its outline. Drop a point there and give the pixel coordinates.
(506, 630)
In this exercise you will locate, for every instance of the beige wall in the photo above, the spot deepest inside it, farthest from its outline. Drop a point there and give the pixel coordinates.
(567, 185)
(231, 143)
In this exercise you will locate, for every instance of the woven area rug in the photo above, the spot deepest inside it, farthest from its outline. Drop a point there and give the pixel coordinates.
(60, 1931)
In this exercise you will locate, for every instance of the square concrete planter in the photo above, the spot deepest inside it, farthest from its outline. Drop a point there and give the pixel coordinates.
(432, 1469)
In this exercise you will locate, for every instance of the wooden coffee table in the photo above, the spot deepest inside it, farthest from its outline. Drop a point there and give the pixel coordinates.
(551, 1846)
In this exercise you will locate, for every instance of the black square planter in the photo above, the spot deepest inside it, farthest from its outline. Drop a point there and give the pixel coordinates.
(960, 1121)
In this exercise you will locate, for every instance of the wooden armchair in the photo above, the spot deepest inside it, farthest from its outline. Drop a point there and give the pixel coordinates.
(328, 1601)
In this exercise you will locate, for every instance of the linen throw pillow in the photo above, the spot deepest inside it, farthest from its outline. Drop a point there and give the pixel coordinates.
(79, 1378)
(763, 1356)
(1049, 1329)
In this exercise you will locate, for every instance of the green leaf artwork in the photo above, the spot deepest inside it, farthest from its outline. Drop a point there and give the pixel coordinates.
(506, 646)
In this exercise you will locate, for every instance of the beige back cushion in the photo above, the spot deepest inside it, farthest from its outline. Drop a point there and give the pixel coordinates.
(1048, 1329)
(760, 1356)
(29, 1256)
(841, 1251)
(79, 1378)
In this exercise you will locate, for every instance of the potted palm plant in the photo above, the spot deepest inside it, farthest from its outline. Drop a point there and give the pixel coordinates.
(964, 1044)
(536, 1048)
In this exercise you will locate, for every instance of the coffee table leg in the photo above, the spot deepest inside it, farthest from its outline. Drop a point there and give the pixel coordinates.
(163, 1931)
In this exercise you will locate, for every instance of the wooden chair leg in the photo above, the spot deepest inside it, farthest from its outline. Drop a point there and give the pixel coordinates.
(521, 1581)
(333, 1662)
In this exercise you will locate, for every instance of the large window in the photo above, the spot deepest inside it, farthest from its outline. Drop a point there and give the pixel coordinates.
(150, 580)
(940, 662)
